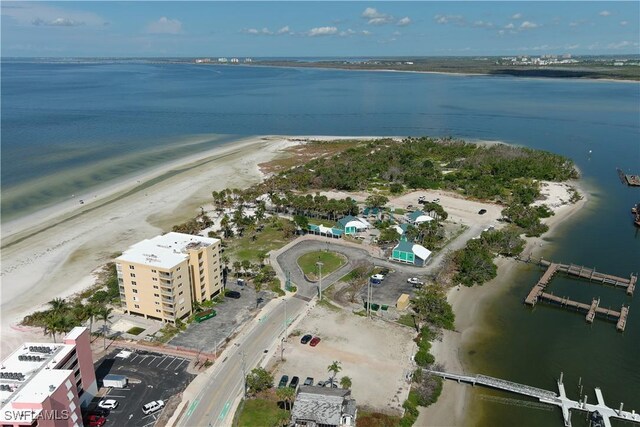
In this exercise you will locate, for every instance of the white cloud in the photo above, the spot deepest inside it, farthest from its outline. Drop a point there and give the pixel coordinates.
(620, 45)
(347, 32)
(528, 25)
(450, 19)
(604, 13)
(374, 17)
(366, 33)
(44, 15)
(482, 24)
(572, 46)
(510, 26)
(517, 16)
(164, 25)
(322, 31)
(404, 21)
(284, 30)
(623, 23)
(261, 31)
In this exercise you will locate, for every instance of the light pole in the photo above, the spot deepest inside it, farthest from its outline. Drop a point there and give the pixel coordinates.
(282, 349)
(285, 319)
(320, 264)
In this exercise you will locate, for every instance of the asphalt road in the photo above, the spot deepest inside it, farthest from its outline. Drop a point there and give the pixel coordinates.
(214, 403)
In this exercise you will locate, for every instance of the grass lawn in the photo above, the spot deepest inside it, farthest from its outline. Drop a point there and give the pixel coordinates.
(260, 412)
(407, 320)
(135, 330)
(244, 248)
(376, 419)
(331, 262)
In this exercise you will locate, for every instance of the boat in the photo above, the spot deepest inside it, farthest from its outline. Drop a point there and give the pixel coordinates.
(636, 214)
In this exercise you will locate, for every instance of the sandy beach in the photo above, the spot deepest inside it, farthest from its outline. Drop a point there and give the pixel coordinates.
(55, 253)
(468, 305)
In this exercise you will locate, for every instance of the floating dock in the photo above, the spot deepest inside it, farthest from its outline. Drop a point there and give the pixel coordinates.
(538, 293)
(632, 180)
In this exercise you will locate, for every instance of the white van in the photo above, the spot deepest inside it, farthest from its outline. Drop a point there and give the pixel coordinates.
(152, 407)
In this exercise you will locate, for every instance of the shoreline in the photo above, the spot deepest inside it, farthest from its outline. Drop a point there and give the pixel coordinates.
(448, 73)
(469, 304)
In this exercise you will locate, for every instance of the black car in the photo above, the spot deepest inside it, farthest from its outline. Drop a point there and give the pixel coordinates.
(294, 382)
(305, 339)
(384, 271)
(99, 412)
(283, 381)
(232, 294)
(482, 211)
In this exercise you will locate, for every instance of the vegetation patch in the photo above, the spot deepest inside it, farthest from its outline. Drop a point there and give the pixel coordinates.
(262, 412)
(376, 419)
(331, 261)
(136, 330)
(250, 247)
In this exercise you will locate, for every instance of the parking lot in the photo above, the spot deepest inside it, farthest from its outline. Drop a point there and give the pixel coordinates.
(387, 292)
(375, 354)
(152, 376)
(231, 313)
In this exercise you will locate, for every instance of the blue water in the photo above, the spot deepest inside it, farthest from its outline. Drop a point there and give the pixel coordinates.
(68, 127)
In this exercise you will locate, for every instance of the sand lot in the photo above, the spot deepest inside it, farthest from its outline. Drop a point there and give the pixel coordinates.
(375, 354)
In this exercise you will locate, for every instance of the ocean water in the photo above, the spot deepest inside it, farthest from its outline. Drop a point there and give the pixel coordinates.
(69, 127)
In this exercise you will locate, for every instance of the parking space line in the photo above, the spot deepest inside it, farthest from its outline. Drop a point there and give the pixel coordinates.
(180, 364)
(134, 358)
(163, 360)
(153, 360)
(115, 395)
(143, 358)
(174, 359)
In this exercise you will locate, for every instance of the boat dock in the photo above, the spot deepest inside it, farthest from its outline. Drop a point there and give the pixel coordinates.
(559, 399)
(538, 293)
(632, 180)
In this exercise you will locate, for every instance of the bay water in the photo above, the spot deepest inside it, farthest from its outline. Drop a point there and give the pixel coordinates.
(68, 128)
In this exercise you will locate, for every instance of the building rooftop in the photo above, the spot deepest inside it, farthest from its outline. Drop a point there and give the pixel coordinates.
(322, 405)
(165, 251)
(28, 374)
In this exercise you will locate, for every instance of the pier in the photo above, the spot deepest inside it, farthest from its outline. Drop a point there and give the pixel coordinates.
(538, 293)
(559, 399)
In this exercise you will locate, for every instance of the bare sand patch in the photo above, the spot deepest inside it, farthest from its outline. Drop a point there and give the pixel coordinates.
(375, 354)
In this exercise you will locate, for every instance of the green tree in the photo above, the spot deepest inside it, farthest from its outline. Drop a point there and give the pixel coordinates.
(92, 310)
(104, 314)
(431, 306)
(334, 368)
(52, 324)
(376, 201)
(345, 382)
(301, 221)
(59, 305)
(259, 379)
(286, 395)
(237, 265)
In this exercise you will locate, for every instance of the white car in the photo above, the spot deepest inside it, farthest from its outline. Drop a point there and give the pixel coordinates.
(108, 404)
(415, 281)
(152, 407)
(377, 277)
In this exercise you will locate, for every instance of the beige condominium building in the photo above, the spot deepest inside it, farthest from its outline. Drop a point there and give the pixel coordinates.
(161, 278)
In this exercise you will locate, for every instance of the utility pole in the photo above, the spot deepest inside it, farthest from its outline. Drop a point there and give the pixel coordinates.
(285, 319)
(319, 264)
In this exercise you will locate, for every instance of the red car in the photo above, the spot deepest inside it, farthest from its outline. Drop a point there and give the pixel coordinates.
(314, 342)
(96, 421)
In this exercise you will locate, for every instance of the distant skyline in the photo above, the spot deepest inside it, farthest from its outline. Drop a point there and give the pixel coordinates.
(290, 29)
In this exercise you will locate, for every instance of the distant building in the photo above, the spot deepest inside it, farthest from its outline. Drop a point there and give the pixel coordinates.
(161, 278)
(234, 60)
(402, 228)
(247, 60)
(323, 407)
(351, 225)
(410, 253)
(46, 384)
(223, 60)
(321, 230)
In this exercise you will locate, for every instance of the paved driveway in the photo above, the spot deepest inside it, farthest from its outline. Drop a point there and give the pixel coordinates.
(231, 314)
(152, 376)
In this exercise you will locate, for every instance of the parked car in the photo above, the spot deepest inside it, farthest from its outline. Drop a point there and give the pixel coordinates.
(308, 381)
(415, 281)
(330, 384)
(99, 412)
(283, 381)
(321, 383)
(422, 199)
(482, 211)
(436, 200)
(314, 342)
(108, 404)
(384, 271)
(294, 382)
(377, 277)
(232, 294)
(152, 407)
(96, 421)
(305, 339)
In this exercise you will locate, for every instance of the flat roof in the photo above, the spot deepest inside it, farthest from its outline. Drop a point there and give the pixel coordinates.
(28, 373)
(165, 251)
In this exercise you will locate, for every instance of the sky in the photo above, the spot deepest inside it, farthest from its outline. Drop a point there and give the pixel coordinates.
(317, 29)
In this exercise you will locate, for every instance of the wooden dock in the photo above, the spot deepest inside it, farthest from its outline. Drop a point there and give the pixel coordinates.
(538, 293)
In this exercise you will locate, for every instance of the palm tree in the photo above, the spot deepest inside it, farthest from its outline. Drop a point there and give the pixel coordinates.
(58, 305)
(92, 311)
(334, 368)
(345, 382)
(103, 315)
(52, 325)
(237, 265)
(286, 394)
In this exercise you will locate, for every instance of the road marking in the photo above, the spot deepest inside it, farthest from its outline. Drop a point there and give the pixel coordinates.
(224, 411)
(115, 395)
(180, 364)
(154, 359)
(163, 360)
(192, 407)
(174, 359)
(134, 358)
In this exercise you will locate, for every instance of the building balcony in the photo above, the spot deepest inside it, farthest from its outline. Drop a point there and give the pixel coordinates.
(164, 275)
(168, 314)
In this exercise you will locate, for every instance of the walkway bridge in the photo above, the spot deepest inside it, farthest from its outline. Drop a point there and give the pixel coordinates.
(545, 396)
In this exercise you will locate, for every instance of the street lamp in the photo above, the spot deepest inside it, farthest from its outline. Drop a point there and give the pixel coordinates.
(320, 264)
